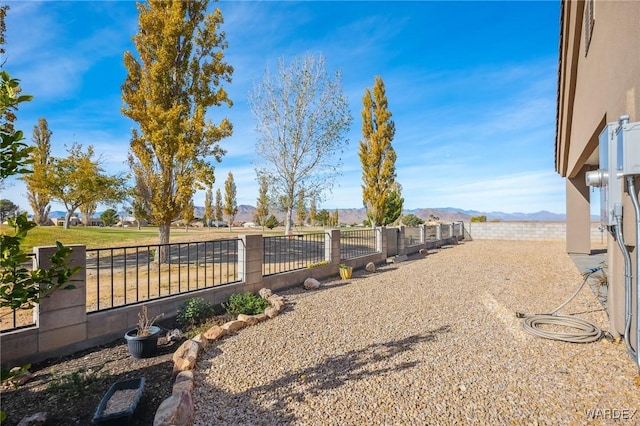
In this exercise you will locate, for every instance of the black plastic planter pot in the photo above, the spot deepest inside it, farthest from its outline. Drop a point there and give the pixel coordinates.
(143, 346)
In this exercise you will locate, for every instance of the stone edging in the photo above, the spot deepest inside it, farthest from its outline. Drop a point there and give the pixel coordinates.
(178, 409)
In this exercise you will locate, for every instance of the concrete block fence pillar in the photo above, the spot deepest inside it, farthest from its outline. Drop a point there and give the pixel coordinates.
(332, 246)
(401, 242)
(62, 317)
(250, 258)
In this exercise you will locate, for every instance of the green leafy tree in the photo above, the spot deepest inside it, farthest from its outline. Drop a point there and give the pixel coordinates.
(7, 209)
(393, 205)
(218, 209)
(168, 92)
(79, 180)
(335, 220)
(208, 206)
(21, 288)
(230, 207)
(323, 217)
(271, 222)
(376, 154)
(109, 217)
(35, 181)
(302, 118)
(481, 218)
(14, 153)
(262, 203)
(412, 220)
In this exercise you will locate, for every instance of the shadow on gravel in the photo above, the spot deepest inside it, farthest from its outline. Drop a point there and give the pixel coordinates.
(331, 373)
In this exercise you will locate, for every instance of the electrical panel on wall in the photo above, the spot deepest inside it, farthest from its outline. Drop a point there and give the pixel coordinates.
(628, 149)
(605, 177)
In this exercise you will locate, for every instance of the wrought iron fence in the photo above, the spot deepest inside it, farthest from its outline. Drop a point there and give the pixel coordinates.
(17, 318)
(291, 252)
(412, 236)
(126, 275)
(357, 242)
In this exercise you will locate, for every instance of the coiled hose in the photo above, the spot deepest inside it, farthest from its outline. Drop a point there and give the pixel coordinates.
(587, 331)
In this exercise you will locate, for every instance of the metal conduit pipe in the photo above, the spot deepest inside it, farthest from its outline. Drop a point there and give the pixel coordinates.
(636, 208)
(627, 285)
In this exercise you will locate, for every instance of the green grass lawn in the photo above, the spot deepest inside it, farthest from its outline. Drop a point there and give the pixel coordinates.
(96, 237)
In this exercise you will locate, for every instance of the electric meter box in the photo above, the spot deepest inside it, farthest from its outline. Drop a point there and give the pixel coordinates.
(628, 149)
(610, 188)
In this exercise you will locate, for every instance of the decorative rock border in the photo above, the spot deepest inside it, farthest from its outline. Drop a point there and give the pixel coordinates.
(178, 409)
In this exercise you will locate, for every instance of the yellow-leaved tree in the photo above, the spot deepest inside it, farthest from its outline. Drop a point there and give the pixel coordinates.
(377, 156)
(169, 88)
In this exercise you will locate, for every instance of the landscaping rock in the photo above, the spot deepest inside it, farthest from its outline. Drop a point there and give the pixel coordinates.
(265, 293)
(273, 299)
(233, 326)
(215, 333)
(371, 267)
(21, 379)
(36, 419)
(260, 317)
(184, 381)
(424, 251)
(249, 319)
(202, 341)
(174, 335)
(177, 410)
(185, 357)
(311, 284)
(271, 312)
(399, 259)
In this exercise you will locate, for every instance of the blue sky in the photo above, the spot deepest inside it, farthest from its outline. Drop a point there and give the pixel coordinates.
(471, 85)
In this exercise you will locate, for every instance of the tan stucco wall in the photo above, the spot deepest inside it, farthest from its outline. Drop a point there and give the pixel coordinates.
(607, 80)
(595, 89)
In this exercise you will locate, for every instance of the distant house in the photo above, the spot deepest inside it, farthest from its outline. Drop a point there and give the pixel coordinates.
(598, 83)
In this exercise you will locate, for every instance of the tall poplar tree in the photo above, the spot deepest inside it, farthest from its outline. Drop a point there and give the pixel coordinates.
(37, 193)
(262, 203)
(376, 154)
(169, 88)
(218, 209)
(208, 206)
(230, 207)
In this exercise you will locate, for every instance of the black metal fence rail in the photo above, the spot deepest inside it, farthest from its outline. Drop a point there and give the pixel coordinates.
(356, 243)
(291, 252)
(125, 275)
(412, 236)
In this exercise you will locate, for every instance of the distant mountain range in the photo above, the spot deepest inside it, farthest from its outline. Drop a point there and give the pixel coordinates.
(352, 216)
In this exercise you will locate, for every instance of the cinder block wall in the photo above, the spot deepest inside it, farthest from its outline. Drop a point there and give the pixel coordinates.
(526, 231)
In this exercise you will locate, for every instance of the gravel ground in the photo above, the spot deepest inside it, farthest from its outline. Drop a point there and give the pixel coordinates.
(433, 340)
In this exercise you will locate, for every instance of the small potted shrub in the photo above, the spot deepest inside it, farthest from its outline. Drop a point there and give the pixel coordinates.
(143, 340)
(345, 271)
